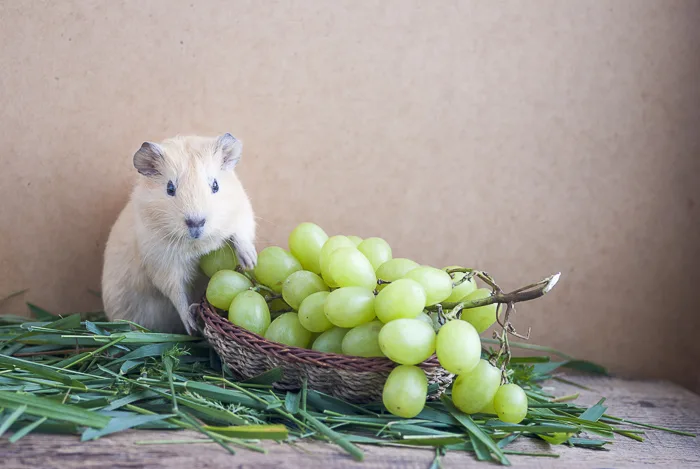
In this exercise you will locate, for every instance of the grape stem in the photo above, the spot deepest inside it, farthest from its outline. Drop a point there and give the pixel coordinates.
(259, 287)
(526, 293)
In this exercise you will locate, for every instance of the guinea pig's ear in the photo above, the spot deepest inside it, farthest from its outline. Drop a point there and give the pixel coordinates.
(148, 158)
(230, 148)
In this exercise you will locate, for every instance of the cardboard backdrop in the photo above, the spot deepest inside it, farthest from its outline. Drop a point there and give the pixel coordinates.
(523, 139)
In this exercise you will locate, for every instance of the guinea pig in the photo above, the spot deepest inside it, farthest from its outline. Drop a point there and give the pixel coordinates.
(186, 202)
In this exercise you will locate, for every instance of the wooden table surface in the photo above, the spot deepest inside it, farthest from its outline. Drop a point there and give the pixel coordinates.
(657, 403)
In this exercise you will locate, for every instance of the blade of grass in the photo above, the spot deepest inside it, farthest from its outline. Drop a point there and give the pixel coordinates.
(11, 419)
(43, 407)
(594, 413)
(189, 419)
(168, 363)
(467, 422)
(26, 430)
(118, 424)
(334, 436)
(40, 313)
(268, 377)
(87, 355)
(252, 432)
(38, 369)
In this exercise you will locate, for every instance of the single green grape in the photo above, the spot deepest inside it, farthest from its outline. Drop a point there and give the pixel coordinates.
(407, 341)
(436, 283)
(333, 243)
(363, 340)
(355, 239)
(350, 268)
(299, 285)
(510, 403)
(249, 310)
(274, 266)
(286, 329)
(458, 347)
(223, 287)
(405, 391)
(463, 289)
(311, 312)
(403, 298)
(330, 341)
(394, 269)
(223, 258)
(350, 306)
(305, 243)
(473, 390)
(481, 317)
(376, 250)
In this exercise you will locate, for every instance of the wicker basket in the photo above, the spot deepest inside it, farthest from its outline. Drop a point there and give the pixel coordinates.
(354, 379)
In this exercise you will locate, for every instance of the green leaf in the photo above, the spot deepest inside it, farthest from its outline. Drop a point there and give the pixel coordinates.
(580, 365)
(150, 350)
(467, 422)
(268, 377)
(594, 413)
(26, 429)
(38, 369)
(130, 399)
(40, 313)
(588, 443)
(95, 329)
(252, 432)
(517, 360)
(118, 424)
(321, 402)
(47, 408)
(292, 401)
(480, 449)
(11, 419)
(334, 436)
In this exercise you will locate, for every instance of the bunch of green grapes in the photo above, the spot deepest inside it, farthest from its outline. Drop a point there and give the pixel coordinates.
(348, 295)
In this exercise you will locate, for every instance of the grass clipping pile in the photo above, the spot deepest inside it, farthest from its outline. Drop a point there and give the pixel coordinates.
(82, 375)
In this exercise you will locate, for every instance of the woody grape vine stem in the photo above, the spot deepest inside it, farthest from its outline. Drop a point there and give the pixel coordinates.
(526, 293)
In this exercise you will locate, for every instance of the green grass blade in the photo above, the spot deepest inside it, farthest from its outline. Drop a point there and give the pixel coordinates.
(11, 419)
(26, 430)
(252, 432)
(321, 402)
(292, 401)
(467, 422)
(38, 369)
(118, 424)
(44, 407)
(594, 413)
(40, 313)
(267, 377)
(334, 436)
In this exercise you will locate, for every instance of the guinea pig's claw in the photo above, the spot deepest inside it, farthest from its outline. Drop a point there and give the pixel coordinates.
(247, 255)
(191, 320)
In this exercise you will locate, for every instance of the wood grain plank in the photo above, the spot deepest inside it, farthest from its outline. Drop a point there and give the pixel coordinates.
(659, 403)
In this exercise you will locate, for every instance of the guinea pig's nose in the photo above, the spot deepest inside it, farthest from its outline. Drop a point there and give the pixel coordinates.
(195, 226)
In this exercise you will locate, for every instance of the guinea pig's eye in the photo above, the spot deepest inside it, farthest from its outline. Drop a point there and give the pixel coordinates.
(171, 188)
(214, 187)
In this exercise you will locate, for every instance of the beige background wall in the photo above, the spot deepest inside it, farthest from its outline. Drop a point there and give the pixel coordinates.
(519, 137)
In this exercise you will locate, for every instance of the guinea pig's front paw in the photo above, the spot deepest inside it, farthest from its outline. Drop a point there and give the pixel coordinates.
(246, 254)
(190, 319)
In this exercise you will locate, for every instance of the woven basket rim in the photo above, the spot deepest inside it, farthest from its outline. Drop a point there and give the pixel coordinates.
(226, 329)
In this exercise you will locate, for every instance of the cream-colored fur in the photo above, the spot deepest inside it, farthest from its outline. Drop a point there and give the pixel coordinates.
(150, 273)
